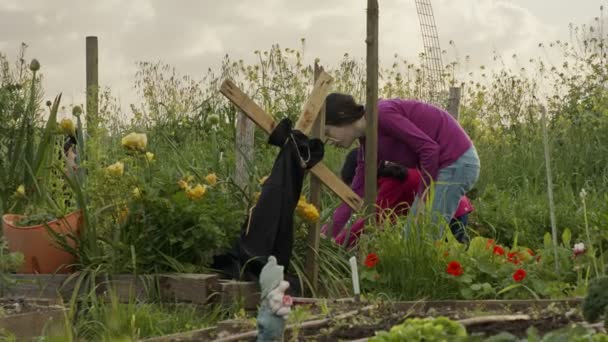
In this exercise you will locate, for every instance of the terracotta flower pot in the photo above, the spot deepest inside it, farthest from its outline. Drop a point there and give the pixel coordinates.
(41, 253)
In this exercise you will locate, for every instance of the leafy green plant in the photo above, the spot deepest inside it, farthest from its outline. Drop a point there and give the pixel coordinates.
(424, 329)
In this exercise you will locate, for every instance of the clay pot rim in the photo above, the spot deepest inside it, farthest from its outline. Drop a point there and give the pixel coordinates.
(8, 220)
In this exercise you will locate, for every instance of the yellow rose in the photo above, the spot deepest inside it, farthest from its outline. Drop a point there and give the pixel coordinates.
(20, 192)
(189, 178)
(183, 184)
(310, 213)
(211, 179)
(136, 193)
(135, 141)
(67, 126)
(116, 169)
(197, 192)
(150, 156)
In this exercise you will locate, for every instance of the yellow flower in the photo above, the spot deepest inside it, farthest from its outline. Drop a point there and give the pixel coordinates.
(20, 192)
(197, 192)
(188, 178)
(135, 141)
(211, 179)
(263, 179)
(136, 193)
(67, 126)
(116, 169)
(310, 213)
(183, 184)
(307, 211)
(150, 156)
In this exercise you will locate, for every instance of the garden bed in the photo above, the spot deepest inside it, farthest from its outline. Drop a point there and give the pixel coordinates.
(323, 320)
(29, 318)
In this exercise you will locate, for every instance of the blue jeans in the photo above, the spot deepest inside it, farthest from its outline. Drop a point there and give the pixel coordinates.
(453, 181)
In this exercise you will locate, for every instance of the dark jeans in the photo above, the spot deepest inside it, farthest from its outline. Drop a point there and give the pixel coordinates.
(458, 225)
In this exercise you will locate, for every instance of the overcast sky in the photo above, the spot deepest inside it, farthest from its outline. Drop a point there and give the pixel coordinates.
(193, 35)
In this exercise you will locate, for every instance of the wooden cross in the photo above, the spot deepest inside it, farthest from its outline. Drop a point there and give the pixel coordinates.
(304, 124)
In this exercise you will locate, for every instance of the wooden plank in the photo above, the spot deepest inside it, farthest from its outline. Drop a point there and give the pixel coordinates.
(371, 111)
(30, 325)
(314, 231)
(247, 106)
(307, 119)
(337, 186)
(187, 287)
(454, 102)
(245, 130)
(267, 123)
(245, 293)
(92, 91)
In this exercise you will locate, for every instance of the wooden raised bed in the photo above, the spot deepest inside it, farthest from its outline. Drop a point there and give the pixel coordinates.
(30, 318)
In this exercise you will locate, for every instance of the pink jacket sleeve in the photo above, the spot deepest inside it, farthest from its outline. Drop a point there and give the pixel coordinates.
(342, 214)
(395, 124)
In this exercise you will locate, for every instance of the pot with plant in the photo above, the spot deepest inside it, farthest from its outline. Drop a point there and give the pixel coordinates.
(39, 209)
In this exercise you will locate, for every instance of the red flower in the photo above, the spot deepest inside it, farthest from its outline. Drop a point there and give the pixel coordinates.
(530, 252)
(519, 275)
(371, 260)
(454, 268)
(489, 244)
(513, 257)
(499, 250)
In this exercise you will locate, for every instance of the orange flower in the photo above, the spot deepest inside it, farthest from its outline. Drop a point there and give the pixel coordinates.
(455, 268)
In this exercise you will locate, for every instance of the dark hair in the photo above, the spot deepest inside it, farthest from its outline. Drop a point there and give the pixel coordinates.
(341, 109)
(69, 142)
(350, 165)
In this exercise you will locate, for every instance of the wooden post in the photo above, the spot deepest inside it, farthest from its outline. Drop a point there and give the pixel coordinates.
(454, 102)
(371, 112)
(245, 130)
(312, 265)
(92, 91)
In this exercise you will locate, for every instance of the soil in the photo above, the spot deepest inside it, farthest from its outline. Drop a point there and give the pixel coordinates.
(382, 319)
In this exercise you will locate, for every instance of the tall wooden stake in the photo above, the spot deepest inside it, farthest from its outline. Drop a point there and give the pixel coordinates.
(549, 184)
(312, 264)
(92, 60)
(371, 110)
(245, 130)
(454, 102)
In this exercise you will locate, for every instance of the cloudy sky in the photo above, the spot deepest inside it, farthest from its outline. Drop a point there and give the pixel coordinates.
(193, 35)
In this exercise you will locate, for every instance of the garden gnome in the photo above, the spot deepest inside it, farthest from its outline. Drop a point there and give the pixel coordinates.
(275, 306)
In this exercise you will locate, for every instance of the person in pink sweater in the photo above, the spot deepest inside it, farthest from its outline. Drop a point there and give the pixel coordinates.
(397, 189)
(413, 134)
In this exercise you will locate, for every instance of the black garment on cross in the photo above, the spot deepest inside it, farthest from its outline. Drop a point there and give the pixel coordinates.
(269, 228)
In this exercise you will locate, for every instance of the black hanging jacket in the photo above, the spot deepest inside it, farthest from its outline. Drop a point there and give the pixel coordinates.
(269, 228)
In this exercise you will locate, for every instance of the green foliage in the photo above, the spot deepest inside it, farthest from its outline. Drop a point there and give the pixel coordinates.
(424, 329)
(596, 302)
(9, 262)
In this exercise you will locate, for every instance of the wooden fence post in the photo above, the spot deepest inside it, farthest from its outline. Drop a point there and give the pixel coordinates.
(454, 102)
(312, 264)
(245, 129)
(92, 91)
(371, 112)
